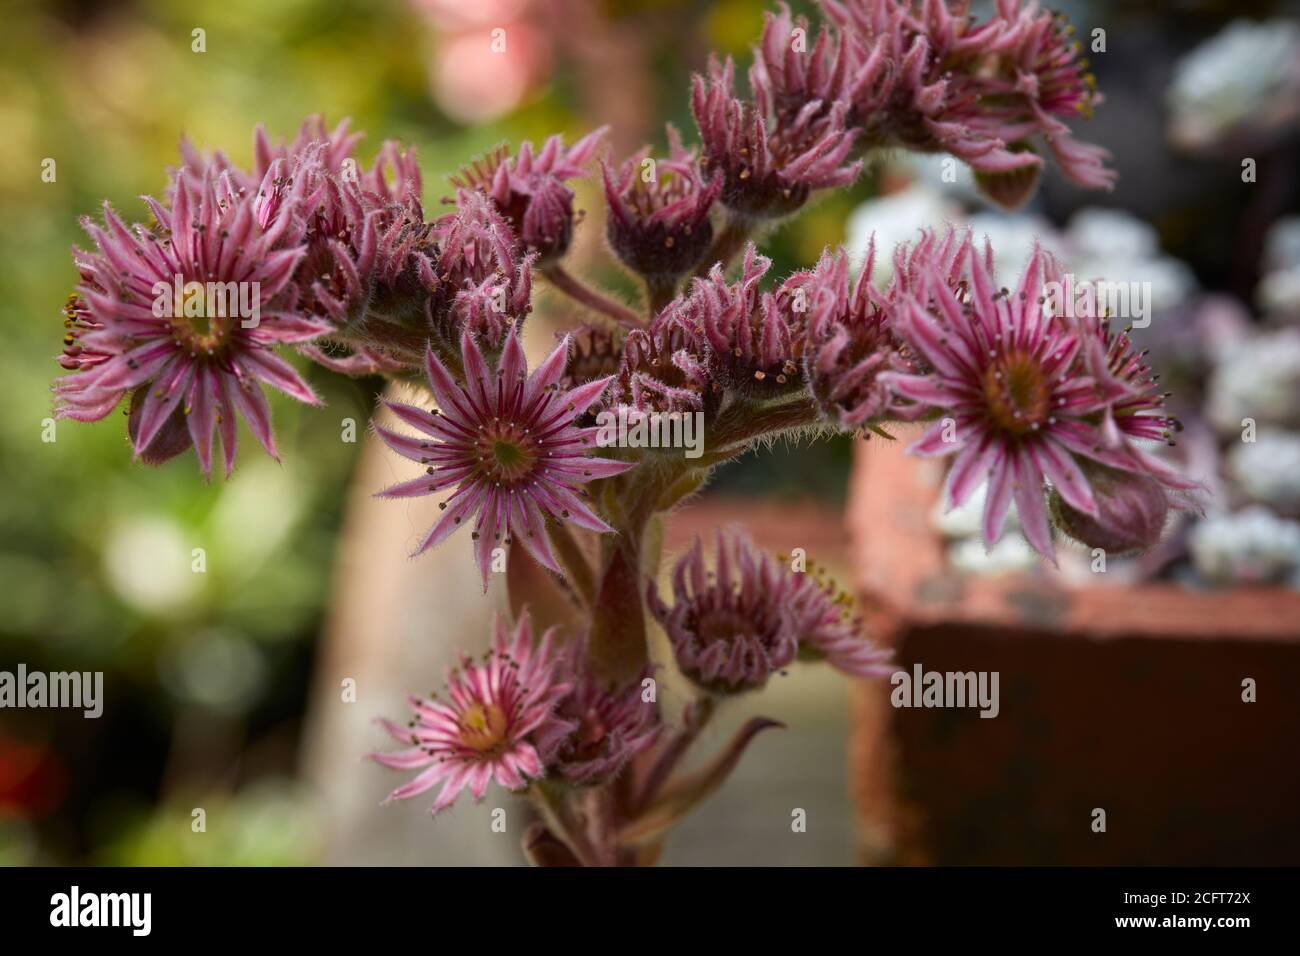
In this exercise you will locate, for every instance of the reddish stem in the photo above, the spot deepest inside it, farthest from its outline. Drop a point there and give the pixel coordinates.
(584, 294)
(726, 245)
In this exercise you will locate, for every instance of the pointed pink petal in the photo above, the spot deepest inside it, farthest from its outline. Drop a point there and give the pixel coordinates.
(423, 781)
(278, 373)
(415, 417)
(970, 469)
(1031, 505)
(933, 443)
(1066, 475)
(998, 501)
(548, 373)
(459, 507)
(253, 406)
(579, 399)
(529, 528)
(226, 424)
(404, 759)
(202, 416)
(920, 388)
(449, 396)
(165, 394)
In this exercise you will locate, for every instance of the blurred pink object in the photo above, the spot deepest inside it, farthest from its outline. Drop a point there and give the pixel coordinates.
(486, 58)
(457, 15)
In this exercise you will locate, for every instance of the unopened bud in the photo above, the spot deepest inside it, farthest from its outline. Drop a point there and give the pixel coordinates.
(1011, 188)
(1131, 512)
(172, 438)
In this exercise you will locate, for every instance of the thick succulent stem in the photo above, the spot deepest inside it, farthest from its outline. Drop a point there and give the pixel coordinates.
(544, 848)
(617, 649)
(559, 819)
(618, 645)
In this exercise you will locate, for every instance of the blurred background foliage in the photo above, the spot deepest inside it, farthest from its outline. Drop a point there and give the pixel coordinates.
(209, 672)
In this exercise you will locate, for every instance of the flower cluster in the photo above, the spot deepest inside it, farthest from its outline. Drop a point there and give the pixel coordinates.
(742, 339)
(484, 281)
(927, 77)
(597, 727)
(184, 319)
(182, 315)
(768, 158)
(530, 191)
(527, 710)
(1037, 403)
(658, 221)
(850, 343)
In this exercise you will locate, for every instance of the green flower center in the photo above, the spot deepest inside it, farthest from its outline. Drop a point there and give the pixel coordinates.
(506, 454)
(509, 455)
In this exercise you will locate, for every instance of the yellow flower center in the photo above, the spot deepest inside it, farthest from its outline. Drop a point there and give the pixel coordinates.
(200, 323)
(482, 727)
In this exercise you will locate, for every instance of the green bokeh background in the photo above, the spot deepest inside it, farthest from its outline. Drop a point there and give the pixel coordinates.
(217, 663)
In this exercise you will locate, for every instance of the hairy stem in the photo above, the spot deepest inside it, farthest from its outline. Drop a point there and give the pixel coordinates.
(726, 244)
(659, 292)
(618, 643)
(617, 647)
(559, 820)
(743, 422)
(544, 848)
(580, 292)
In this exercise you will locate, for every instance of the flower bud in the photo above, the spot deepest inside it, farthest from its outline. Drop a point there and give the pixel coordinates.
(1131, 512)
(659, 227)
(734, 627)
(770, 159)
(1011, 187)
(172, 438)
(529, 190)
